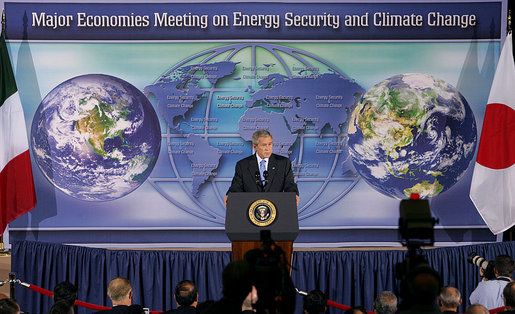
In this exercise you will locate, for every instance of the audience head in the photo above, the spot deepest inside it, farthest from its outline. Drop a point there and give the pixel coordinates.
(385, 303)
(503, 265)
(477, 309)
(315, 302)
(120, 291)
(449, 299)
(61, 307)
(9, 306)
(509, 296)
(186, 293)
(236, 281)
(423, 285)
(65, 291)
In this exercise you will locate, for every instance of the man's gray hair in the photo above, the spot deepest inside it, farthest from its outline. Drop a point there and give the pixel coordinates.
(258, 134)
(386, 303)
(450, 297)
(477, 308)
(119, 289)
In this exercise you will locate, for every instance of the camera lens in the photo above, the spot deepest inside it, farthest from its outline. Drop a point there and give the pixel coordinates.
(477, 260)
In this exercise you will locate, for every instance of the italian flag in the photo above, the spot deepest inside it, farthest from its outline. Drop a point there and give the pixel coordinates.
(17, 194)
(493, 183)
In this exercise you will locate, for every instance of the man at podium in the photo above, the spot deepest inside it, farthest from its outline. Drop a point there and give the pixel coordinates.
(263, 171)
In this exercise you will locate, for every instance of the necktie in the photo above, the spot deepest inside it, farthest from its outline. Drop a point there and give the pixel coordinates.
(262, 169)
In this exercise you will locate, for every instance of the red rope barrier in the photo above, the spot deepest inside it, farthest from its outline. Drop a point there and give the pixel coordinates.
(91, 306)
(341, 306)
(497, 310)
(41, 290)
(337, 305)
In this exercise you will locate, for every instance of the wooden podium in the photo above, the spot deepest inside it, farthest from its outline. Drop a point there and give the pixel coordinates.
(250, 213)
(239, 248)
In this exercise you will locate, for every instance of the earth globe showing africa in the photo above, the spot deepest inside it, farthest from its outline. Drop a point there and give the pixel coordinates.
(213, 101)
(412, 133)
(95, 137)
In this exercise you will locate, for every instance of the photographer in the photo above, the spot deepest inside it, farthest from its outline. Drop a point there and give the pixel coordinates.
(489, 293)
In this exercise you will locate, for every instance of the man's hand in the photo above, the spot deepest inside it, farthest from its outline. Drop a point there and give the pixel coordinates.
(482, 274)
(225, 200)
(297, 197)
(251, 299)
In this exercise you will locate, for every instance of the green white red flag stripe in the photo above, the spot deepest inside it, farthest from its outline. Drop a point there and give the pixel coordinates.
(17, 194)
(493, 184)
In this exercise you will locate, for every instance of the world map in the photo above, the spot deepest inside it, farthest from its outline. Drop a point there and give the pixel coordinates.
(215, 100)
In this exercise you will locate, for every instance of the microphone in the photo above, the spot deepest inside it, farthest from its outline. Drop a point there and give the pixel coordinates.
(258, 178)
(265, 175)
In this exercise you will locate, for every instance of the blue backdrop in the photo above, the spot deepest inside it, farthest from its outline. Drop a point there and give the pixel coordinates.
(135, 127)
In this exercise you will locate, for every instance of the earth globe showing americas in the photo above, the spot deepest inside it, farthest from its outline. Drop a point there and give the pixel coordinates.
(412, 133)
(95, 137)
(213, 101)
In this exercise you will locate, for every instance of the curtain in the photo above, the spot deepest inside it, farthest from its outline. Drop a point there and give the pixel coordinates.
(153, 274)
(355, 277)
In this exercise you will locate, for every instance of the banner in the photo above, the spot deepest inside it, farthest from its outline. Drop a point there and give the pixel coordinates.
(136, 127)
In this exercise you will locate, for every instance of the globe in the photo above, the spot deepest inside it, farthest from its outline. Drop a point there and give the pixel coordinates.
(95, 137)
(412, 133)
(213, 101)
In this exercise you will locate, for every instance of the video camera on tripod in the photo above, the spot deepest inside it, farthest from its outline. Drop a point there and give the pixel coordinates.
(416, 229)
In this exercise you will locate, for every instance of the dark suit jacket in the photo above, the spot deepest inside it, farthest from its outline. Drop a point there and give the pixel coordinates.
(280, 176)
(123, 309)
(183, 310)
(225, 306)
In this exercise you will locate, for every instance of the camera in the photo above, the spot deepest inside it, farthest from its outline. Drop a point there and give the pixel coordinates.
(416, 229)
(487, 266)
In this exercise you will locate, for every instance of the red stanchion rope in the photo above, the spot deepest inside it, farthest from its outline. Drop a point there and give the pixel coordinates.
(341, 306)
(338, 305)
(78, 303)
(497, 310)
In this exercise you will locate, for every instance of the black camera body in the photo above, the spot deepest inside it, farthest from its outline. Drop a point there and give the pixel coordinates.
(487, 266)
(416, 229)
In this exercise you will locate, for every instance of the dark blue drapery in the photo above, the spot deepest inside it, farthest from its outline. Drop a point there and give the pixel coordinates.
(356, 277)
(153, 274)
(349, 277)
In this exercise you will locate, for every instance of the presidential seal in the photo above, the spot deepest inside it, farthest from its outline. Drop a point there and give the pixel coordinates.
(262, 213)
